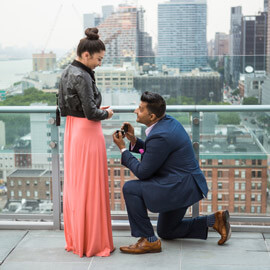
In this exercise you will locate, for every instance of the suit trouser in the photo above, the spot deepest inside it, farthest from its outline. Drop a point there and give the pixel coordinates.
(170, 224)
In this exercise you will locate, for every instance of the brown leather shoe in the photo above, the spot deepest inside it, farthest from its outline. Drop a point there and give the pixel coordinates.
(222, 226)
(142, 246)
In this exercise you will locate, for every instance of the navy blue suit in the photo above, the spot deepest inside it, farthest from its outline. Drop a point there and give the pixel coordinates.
(170, 181)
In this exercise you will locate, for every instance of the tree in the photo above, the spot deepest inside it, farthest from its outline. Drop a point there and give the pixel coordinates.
(250, 101)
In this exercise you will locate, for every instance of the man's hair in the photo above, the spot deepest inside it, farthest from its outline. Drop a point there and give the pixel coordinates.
(155, 103)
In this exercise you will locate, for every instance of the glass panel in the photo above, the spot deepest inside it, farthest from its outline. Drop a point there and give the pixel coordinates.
(25, 163)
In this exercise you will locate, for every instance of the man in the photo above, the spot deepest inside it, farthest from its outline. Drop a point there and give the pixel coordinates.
(169, 181)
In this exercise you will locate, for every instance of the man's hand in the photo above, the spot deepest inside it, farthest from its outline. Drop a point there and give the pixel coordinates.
(130, 134)
(118, 140)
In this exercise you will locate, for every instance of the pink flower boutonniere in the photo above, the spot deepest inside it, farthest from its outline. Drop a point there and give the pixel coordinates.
(141, 151)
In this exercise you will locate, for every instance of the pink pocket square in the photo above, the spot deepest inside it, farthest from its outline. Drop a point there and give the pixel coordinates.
(141, 150)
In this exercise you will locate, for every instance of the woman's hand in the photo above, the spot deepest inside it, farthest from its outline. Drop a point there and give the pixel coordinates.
(110, 113)
(104, 107)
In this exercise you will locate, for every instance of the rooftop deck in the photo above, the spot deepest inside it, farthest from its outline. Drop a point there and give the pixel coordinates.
(38, 249)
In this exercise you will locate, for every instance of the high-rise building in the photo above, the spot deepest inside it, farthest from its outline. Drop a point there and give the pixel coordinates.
(44, 61)
(221, 44)
(182, 34)
(107, 11)
(90, 20)
(122, 33)
(235, 44)
(266, 5)
(266, 85)
(253, 42)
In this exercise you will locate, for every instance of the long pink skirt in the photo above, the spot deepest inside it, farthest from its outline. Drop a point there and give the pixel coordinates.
(87, 218)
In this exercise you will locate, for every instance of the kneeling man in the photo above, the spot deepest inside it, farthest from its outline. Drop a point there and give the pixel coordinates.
(169, 181)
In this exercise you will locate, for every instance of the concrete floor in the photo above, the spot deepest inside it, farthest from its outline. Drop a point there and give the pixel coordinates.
(27, 250)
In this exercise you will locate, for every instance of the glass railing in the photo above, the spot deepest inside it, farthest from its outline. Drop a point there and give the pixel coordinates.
(231, 142)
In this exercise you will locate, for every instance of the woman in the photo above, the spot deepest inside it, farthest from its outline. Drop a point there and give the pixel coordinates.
(87, 220)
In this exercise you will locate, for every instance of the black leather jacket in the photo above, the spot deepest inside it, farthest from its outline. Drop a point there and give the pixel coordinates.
(78, 95)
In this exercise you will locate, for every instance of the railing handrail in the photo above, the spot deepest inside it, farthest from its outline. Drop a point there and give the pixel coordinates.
(131, 108)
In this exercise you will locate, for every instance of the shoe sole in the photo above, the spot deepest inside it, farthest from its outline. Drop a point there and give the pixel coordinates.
(136, 253)
(226, 219)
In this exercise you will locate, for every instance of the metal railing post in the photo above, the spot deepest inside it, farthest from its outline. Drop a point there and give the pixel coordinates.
(195, 143)
(56, 188)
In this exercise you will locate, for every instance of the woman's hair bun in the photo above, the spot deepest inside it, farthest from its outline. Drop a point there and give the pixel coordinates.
(92, 33)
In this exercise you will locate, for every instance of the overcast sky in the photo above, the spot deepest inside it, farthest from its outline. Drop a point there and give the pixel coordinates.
(32, 22)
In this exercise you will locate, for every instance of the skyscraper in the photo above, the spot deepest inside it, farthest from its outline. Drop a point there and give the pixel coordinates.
(253, 42)
(122, 33)
(182, 34)
(235, 44)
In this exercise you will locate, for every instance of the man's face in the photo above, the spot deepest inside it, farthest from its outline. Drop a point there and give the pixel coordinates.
(143, 115)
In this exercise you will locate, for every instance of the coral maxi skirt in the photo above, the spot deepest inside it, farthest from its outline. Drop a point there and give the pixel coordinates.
(87, 219)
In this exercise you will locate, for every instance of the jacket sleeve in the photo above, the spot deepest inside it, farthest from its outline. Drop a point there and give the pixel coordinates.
(139, 145)
(86, 95)
(155, 155)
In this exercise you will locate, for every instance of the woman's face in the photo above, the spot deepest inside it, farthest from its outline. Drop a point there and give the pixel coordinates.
(94, 60)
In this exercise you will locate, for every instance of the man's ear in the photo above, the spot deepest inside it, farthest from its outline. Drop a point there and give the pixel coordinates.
(153, 117)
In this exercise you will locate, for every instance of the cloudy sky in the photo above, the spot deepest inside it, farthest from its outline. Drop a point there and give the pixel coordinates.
(57, 24)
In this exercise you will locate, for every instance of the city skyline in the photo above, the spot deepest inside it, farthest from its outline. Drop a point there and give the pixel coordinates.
(48, 25)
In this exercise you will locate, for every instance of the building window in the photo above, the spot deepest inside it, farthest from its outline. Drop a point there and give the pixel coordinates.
(236, 197)
(27, 182)
(236, 173)
(236, 209)
(243, 186)
(12, 183)
(12, 193)
(36, 194)
(252, 209)
(259, 186)
(47, 193)
(253, 185)
(253, 174)
(243, 162)
(220, 162)
(209, 173)
(236, 186)
(116, 172)
(19, 193)
(259, 174)
(258, 209)
(220, 173)
(259, 197)
(259, 162)
(209, 161)
(237, 162)
(209, 196)
(36, 182)
(203, 161)
(219, 207)
(209, 184)
(243, 174)
(117, 196)
(117, 161)
(219, 197)
(127, 172)
(19, 182)
(109, 172)
(28, 193)
(117, 184)
(243, 197)
(47, 183)
(219, 185)
(253, 197)
(253, 161)
(243, 209)
(209, 208)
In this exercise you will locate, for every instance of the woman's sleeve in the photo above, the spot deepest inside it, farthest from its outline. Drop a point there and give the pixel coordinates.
(86, 95)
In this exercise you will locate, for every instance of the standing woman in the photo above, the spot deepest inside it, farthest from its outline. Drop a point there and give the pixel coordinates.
(87, 219)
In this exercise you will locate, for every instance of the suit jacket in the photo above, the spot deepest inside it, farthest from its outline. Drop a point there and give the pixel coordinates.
(170, 174)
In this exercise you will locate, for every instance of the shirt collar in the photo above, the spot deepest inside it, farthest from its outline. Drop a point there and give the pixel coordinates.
(147, 131)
